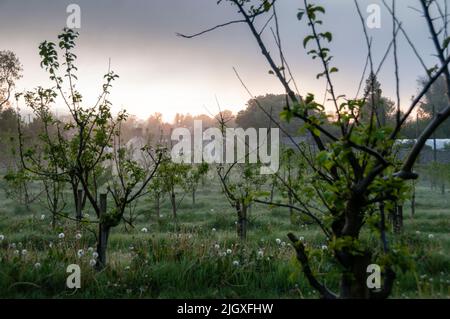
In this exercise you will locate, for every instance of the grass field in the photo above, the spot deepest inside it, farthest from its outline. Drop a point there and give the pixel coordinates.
(202, 257)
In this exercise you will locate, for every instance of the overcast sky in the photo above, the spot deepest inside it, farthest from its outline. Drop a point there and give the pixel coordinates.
(160, 72)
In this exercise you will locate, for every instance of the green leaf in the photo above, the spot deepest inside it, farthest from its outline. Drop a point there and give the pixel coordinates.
(446, 43)
(327, 35)
(286, 115)
(334, 69)
(307, 39)
(300, 14)
(315, 131)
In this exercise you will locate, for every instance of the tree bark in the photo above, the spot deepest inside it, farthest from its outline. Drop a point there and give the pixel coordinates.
(174, 203)
(157, 207)
(398, 219)
(413, 200)
(241, 210)
(353, 281)
(272, 191)
(103, 234)
(291, 211)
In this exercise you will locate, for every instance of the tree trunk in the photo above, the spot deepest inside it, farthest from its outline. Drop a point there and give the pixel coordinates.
(354, 278)
(79, 207)
(413, 201)
(193, 196)
(291, 211)
(443, 188)
(272, 191)
(103, 235)
(102, 245)
(174, 204)
(53, 221)
(398, 219)
(241, 209)
(157, 207)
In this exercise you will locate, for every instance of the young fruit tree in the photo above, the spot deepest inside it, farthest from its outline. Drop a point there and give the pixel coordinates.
(10, 71)
(88, 146)
(354, 172)
(193, 178)
(240, 180)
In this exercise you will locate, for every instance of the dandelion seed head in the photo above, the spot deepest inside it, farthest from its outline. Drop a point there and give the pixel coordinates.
(260, 254)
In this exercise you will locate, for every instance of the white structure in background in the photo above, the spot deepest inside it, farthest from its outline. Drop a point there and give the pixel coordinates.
(441, 143)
